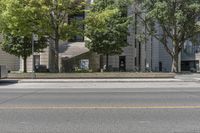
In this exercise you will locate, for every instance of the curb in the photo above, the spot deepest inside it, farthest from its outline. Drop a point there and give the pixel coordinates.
(97, 80)
(92, 81)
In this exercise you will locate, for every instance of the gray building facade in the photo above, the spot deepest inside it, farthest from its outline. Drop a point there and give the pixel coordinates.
(140, 55)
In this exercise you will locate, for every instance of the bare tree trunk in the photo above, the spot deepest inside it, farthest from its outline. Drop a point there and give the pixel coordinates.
(25, 64)
(56, 55)
(176, 66)
(175, 63)
(55, 27)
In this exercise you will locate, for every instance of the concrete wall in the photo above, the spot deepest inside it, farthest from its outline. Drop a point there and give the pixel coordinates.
(165, 59)
(10, 61)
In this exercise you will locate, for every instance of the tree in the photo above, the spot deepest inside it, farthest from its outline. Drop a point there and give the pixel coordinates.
(177, 21)
(22, 46)
(55, 16)
(18, 23)
(49, 18)
(107, 27)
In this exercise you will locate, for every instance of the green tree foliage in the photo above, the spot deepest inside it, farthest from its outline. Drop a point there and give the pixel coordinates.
(22, 46)
(21, 18)
(55, 23)
(107, 27)
(177, 21)
(18, 21)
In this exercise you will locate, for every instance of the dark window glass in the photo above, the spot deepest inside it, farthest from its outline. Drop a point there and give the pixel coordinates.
(78, 20)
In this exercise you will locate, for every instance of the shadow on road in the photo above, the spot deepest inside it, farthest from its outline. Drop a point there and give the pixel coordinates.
(7, 82)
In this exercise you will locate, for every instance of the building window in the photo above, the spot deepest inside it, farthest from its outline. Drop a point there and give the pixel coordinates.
(37, 60)
(160, 66)
(135, 61)
(81, 27)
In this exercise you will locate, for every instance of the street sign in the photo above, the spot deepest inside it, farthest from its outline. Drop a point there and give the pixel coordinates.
(35, 37)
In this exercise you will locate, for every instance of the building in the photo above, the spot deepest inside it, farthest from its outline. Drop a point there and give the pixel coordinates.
(70, 56)
(148, 55)
(11, 62)
(190, 57)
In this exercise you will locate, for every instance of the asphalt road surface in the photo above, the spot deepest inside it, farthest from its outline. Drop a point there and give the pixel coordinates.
(146, 107)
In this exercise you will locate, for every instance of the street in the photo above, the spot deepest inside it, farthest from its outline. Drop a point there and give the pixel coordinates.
(100, 107)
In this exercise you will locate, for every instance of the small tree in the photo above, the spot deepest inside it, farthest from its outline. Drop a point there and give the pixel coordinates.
(177, 21)
(107, 27)
(22, 46)
(18, 22)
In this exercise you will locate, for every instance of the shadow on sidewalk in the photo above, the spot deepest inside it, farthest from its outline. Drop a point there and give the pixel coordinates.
(4, 82)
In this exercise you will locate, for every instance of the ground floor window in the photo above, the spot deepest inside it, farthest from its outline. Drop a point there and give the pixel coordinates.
(192, 65)
(122, 63)
(37, 60)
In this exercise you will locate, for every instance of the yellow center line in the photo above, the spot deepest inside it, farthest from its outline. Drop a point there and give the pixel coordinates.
(94, 107)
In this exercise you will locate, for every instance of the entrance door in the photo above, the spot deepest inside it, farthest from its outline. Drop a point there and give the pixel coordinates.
(192, 65)
(160, 66)
(36, 59)
(122, 63)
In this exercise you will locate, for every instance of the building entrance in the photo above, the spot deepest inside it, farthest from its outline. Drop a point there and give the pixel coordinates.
(190, 65)
(122, 63)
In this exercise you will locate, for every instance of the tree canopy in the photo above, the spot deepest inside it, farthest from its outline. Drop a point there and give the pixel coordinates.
(18, 22)
(107, 27)
(172, 22)
(58, 23)
(46, 18)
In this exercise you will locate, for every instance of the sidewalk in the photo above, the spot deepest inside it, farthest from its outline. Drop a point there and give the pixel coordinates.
(106, 80)
(188, 77)
(100, 77)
